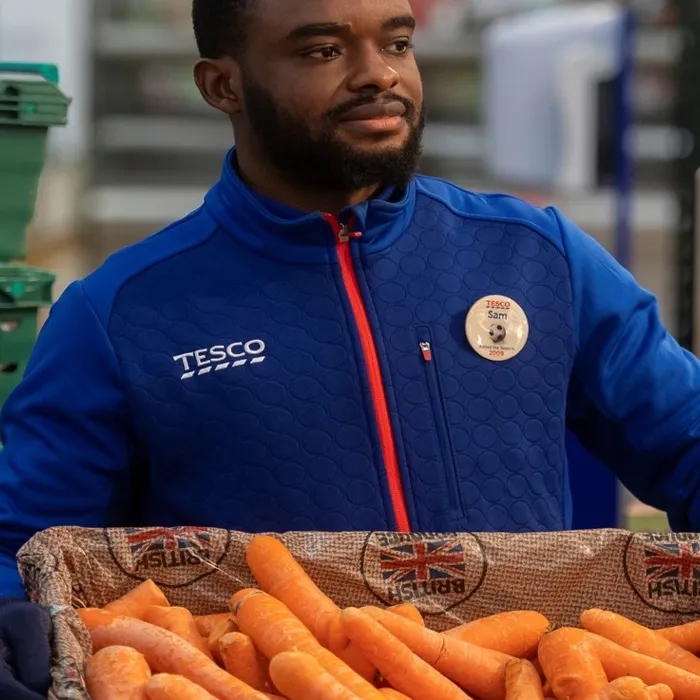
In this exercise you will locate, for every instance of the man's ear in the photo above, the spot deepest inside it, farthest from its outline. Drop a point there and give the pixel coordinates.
(219, 82)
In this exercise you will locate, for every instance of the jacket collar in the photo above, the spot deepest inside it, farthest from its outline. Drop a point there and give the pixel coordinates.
(277, 231)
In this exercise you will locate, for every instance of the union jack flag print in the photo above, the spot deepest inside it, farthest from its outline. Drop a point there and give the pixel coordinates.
(679, 560)
(165, 538)
(422, 561)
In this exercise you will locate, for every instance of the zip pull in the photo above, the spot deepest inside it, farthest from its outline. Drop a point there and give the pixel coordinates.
(427, 351)
(341, 231)
(345, 235)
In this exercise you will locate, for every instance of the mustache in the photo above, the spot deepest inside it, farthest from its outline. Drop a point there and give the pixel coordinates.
(335, 114)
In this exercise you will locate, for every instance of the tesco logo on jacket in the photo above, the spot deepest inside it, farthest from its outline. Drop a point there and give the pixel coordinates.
(220, 357)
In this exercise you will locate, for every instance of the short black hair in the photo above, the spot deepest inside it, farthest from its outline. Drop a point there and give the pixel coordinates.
(218, 26)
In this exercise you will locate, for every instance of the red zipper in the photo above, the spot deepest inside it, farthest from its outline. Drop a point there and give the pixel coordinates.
(376, 384)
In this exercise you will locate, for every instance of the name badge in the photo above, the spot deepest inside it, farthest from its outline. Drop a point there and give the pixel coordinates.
(497, 328)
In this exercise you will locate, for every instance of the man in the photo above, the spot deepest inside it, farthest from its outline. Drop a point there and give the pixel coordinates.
(332, 343)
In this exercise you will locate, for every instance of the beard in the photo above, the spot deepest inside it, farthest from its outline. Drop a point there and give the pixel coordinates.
(322, 160)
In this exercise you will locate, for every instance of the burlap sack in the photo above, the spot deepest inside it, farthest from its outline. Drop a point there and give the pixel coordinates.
(451, 577)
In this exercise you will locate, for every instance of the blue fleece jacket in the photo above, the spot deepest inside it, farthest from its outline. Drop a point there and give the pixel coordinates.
(249, 367)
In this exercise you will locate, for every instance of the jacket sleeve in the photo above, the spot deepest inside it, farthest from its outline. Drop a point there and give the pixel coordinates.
(67, 445)
(634, 398)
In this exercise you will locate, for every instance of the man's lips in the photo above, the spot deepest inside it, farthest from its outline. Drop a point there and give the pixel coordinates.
(376, 119)
(376, 110)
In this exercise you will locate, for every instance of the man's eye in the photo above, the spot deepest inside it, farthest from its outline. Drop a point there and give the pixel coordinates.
(324, 53)
(400, 47)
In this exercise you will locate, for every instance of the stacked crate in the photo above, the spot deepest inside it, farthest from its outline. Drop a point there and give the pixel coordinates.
(30, 103)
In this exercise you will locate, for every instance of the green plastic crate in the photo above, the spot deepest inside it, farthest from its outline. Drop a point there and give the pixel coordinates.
(17, 335)
(30, 96)
(23, 286)
(30, 103)
(23, 291)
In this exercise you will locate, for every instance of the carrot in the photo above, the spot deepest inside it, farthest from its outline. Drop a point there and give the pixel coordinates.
(358, 662)
(571, 665)
(545, 683)
(686, 636)
(117, 673)
(392, 694)
(205, 623)
(523, 681)
(280, 575)
(274, 629)
(93, 617)
(638, 638)
(403, 669)
(221, 628)
(477, 670)
(165, 652)
(243, 660)
(239, 597)
(300, 677)
(138, 600)
(628, 688)
(618, 662)
(660, 692)
(516, 633)
(340, 645)
(179, 621)
(165, 686)
(410, 612)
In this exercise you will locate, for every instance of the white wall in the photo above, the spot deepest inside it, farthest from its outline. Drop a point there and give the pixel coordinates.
(53, 31)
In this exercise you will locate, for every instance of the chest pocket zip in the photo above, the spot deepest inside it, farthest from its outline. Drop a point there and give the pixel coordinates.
(439, 413)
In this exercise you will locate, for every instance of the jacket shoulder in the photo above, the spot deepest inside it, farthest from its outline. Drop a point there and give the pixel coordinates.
(497, 207)
(104, 284)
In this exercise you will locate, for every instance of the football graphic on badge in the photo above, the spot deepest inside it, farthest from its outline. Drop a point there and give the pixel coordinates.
(497, 333)
(497, 328)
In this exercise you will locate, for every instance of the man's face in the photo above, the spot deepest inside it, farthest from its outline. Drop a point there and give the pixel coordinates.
(331, 93)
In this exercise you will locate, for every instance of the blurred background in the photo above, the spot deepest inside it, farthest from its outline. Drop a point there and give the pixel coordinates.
(141, 148)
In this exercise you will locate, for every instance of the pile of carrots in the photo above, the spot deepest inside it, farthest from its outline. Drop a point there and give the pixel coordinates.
(287, 639)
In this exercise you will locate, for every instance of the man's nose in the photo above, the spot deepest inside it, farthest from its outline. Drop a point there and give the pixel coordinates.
(372, 72)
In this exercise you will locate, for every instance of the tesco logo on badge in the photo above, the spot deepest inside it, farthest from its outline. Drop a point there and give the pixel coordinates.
(220, 357)
(497, 304)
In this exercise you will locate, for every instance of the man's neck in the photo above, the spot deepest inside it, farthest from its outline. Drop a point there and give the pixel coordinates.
(273, 185)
